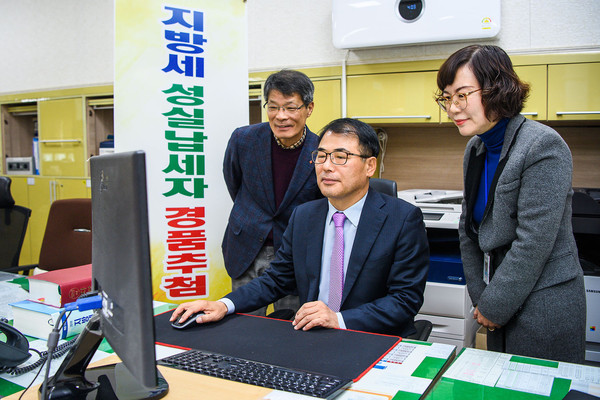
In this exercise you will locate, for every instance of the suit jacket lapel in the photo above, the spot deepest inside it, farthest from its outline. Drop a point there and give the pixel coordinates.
(472, 178)
(302, 171)
(512, 129)
(262, 151)
(371, 221)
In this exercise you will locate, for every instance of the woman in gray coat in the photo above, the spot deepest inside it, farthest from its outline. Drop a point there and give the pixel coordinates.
(519, 255)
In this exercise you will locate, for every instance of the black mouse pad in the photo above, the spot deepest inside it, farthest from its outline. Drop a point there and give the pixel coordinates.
(343, 353)
(577, 395)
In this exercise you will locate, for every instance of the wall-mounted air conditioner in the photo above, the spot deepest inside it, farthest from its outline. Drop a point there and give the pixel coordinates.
(374, 23)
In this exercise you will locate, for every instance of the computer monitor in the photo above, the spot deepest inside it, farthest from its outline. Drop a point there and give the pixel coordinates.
(122, 275)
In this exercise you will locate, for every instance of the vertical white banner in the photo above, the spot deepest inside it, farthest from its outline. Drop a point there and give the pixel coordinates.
(181, 88)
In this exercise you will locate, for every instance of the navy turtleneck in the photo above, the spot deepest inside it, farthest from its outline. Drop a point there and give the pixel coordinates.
(493, 141)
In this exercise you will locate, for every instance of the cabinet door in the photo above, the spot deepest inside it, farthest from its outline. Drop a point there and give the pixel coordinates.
(61, 131)
(72, 189)
(573, 91)
(535, 75)
(40, 197)
(393, 98)
(328, 104)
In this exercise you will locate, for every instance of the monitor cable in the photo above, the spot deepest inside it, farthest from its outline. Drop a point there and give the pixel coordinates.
(49, 353)
(52, 343)
(91, 301)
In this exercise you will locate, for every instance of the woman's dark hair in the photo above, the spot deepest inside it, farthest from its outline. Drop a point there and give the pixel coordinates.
(367, 138)
(503, 93)
(288, 82)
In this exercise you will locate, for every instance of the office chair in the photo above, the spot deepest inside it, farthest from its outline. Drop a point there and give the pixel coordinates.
(384, 186)
(424, 328)
(68, 237)
(13, 226)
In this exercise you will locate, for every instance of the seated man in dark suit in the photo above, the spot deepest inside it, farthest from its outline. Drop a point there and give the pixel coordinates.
(357, 258)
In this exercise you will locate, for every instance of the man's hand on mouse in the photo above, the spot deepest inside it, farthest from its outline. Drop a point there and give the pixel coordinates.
(213, 311)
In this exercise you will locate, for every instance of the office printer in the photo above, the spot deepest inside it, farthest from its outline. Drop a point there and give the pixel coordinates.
(447, 304)
(441, 208)
(586, 229)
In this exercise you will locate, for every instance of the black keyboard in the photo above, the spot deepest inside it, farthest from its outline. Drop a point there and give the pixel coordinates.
(257, 373)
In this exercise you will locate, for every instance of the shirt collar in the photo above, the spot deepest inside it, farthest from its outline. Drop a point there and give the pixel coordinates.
(352, 213)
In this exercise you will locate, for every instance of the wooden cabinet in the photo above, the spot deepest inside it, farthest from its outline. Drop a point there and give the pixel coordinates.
(69, 126)
(61, 130)
(328, 104)
(100, 122)
(573, 91)
(536, 76)
(406, 97)
(18, 128)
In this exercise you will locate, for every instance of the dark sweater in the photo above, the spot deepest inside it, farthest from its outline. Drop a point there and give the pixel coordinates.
(283, 164)
(493, 141)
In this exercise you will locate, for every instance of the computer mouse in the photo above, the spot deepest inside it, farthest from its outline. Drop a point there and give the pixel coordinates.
(191, 321)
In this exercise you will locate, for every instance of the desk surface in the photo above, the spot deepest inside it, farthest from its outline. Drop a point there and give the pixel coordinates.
(408, 370)
(186, 385)
(404, 373)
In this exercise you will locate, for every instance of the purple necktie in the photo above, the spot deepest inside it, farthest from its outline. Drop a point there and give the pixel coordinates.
(336, 268)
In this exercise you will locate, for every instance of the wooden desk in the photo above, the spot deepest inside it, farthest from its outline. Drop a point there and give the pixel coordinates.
(408, 371)
(185, 385)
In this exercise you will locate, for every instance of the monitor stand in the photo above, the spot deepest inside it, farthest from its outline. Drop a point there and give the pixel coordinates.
(74, 380)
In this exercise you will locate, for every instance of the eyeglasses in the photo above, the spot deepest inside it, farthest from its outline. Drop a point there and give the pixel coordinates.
(445, 102)
(272, 109)
(336, 157)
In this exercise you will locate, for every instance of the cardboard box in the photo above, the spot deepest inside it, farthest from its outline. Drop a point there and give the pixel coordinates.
(481, 338)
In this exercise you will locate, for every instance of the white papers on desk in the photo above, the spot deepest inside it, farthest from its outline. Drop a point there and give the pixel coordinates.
(10, 293)
(394, 372)
(576, 372)
(477, 366)
(496, 369)
(526, 382)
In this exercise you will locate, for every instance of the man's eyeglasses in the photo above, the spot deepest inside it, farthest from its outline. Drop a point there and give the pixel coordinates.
(445, 102)
(273, 109)
(337, 157)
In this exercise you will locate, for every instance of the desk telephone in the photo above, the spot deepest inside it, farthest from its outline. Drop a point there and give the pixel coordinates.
(14, 351)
